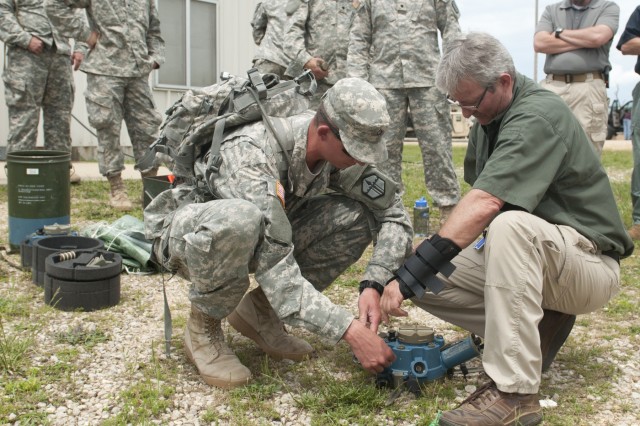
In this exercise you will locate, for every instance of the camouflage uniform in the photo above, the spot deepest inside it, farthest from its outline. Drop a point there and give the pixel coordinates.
(268, 26)
(319, 28)
(394, 45)
(118, 69)
(36, 81)
(295, 229)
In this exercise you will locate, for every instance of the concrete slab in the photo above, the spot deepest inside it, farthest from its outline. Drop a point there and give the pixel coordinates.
(88, 170)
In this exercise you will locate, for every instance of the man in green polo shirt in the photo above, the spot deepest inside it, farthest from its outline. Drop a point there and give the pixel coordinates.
(553, 234)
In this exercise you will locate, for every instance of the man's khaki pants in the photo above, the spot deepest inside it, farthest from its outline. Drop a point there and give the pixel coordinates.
(588, 102)
(499, 291)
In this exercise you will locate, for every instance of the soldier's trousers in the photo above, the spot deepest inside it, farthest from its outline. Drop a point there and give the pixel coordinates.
(217, 244)
(500, 291)
(431, 118)
(33, 82)
(110, 100)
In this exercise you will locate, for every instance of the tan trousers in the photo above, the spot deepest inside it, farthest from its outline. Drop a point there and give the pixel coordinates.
(499, 291)
(588, 102)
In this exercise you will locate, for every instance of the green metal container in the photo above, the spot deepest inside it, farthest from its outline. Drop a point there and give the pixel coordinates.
(38, 192)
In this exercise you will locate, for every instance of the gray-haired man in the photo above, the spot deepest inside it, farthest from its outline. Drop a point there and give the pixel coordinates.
(553, 238)
(295, 224)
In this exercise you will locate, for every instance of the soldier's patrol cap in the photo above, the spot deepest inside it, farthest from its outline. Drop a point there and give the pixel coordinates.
(359, 112)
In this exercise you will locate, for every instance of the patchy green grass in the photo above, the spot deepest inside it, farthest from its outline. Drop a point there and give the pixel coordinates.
(330, 388)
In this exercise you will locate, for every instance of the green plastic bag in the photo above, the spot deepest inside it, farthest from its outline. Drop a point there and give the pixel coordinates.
(125, 236)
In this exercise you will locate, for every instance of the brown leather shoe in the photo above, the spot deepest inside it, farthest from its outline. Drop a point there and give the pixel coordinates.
(554, 328)
(490, 406)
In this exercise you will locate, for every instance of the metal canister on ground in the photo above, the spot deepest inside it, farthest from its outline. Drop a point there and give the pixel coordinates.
(38, 192)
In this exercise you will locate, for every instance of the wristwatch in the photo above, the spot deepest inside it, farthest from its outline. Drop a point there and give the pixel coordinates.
(371, 284)
(559, 31)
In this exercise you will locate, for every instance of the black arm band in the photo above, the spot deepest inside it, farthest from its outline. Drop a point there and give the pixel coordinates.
(419, 271)
(371, 284)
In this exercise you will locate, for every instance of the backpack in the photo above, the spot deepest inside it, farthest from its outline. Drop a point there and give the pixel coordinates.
(197, 122)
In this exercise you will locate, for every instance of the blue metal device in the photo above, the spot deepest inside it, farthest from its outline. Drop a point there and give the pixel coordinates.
(422, 356)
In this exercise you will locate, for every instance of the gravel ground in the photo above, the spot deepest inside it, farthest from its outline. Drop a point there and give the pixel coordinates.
(100, 374)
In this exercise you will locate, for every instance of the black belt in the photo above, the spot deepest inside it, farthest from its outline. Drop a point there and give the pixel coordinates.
(612, 254)
(577, 78)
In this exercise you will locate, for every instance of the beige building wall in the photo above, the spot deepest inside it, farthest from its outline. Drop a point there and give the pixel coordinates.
(235, 51)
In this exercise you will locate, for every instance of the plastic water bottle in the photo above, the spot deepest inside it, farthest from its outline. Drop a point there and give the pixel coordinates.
(421, 217)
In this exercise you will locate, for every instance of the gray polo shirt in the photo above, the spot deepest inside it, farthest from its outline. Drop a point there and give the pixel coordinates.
(564, 15)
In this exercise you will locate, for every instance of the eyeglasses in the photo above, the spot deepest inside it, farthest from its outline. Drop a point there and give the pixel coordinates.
(474, 107)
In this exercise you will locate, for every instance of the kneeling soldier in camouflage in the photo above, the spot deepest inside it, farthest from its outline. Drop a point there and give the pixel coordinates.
(295, 213)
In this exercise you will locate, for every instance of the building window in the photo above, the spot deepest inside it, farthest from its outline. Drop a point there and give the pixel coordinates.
(189, 30)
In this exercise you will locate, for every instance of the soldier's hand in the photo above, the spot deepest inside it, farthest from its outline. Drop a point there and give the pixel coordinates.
(372, 352)
(76, 60)
(390, 302)
(369, 309)
(36, 45)
(93, 39)
(318, 67)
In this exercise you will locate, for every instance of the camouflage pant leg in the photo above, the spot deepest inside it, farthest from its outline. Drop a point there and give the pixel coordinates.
(25, 81)
(330, 233)
(57, 105)
(140, 115)
(393, 137)
(104, 97)
(212, 245)
(432, 123)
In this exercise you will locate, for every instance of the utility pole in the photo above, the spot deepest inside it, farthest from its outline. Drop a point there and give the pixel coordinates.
(535, 54)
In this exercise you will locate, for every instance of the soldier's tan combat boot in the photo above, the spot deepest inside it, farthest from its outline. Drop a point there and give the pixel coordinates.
(254, 318)
(205, 346)
(119, 199)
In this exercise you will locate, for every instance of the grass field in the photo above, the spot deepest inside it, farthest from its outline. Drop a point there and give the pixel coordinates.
(47, 358)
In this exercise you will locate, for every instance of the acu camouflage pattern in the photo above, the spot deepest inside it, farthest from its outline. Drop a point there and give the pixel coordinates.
(33, 82)
(110, 99)
(360, 113)
(117, 70)
(130, 40)
(319, 28)
(294, 250)
(395, 46)
(431, 118)
(268, 24)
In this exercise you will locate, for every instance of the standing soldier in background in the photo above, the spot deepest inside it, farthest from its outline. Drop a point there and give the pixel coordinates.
(317, 38)
(125, 45)
(268, 26)
(576, 35)
(37, 75)
(394, 45)
(629, 44)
